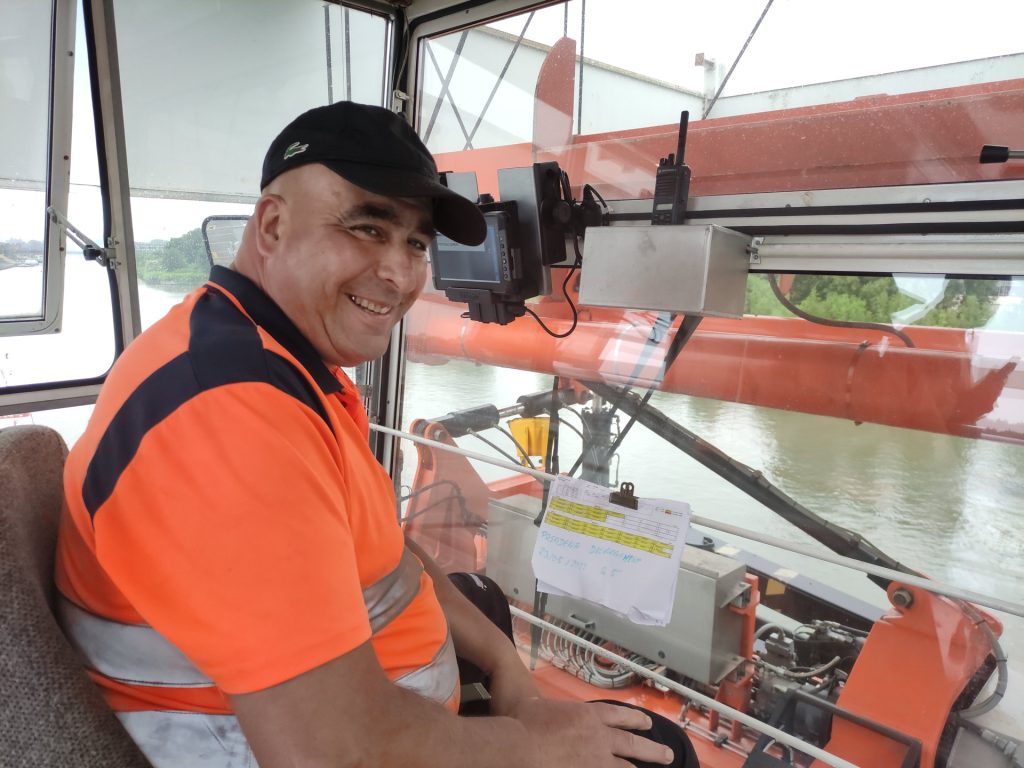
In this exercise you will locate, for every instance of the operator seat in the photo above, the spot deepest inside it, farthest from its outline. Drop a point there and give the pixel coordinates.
(52, 714)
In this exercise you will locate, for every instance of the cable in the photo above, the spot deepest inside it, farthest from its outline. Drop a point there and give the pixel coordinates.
(570, 426)
(456, 490)
(551, 457)
(459, 498)
(563, 180)
(800, 675)
(834, 323)
(721, 87)
(593, 190)
(805, 631)
(519, 447)
(504, 453)
(629, 425)
(1009, 746)
(765, 628)
(551, 454)
(577, 414)
(567, 198)
(1002, 672)
(565, 292)
(582, 663)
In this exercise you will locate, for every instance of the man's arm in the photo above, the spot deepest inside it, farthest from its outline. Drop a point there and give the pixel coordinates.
(479, 641)
(347, 713)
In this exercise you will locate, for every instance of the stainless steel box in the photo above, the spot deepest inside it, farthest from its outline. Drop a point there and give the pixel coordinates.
(691, 269)
(703, 639)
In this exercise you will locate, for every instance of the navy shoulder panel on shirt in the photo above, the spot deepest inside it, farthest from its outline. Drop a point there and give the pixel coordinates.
(224, 348)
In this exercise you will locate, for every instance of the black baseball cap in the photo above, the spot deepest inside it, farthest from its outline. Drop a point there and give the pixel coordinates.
(379, 151)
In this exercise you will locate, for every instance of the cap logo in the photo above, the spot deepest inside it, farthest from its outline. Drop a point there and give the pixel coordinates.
(295, 149)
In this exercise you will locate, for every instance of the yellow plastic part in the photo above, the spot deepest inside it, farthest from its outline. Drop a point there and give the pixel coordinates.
(532, 435)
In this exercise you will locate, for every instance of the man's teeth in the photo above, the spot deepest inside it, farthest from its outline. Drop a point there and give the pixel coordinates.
(379, 309)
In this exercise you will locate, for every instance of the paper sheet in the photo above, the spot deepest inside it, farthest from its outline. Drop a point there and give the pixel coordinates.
(624, 559)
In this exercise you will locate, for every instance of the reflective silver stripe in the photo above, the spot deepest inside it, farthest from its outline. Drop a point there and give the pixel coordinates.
(128, 653)
(138, 654)
(188, 739)
(388, 596)
(438, 679)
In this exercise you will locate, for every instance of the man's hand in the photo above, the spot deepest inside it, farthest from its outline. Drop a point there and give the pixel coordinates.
(346, 713)
(595, 735)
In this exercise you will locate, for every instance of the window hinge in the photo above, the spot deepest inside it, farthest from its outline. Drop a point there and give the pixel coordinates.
(91, 250)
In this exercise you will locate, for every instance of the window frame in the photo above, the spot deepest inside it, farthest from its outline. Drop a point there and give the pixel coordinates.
(58, 174)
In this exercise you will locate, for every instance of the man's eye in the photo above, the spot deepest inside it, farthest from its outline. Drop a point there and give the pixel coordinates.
(368, 229)
(419, 245)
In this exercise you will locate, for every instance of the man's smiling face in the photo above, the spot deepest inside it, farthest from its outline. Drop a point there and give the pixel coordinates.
(345, 264)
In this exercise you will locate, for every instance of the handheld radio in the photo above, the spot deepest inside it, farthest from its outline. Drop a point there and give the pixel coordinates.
(672, 183)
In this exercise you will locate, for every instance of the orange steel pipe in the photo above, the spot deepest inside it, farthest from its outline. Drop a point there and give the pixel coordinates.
(845, 374)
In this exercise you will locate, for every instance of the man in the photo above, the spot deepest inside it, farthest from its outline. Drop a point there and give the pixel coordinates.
(229, 562)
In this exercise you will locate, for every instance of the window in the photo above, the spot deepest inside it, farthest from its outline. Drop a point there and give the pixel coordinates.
(198, 124)
(72, 334)
(24, 152)
(868, 398)
(601, 92)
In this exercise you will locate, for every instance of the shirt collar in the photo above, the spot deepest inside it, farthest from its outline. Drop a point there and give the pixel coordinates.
(266, 314)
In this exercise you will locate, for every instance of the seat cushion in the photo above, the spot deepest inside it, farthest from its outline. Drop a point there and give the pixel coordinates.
(52, 714)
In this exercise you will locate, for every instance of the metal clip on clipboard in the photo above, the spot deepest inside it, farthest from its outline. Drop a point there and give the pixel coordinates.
(624, 496)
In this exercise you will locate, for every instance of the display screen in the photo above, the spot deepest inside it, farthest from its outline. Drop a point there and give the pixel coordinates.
(457, 263)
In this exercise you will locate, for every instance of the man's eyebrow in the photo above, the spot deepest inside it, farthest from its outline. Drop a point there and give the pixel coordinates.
(389, 214)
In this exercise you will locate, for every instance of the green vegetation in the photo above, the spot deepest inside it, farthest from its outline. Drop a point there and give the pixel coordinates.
(180, 263)
(964, 304)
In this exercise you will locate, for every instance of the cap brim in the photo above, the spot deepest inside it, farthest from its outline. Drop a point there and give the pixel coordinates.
(454, 215)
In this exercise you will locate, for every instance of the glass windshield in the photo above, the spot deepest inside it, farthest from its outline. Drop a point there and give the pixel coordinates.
(24, 93)
(873, 416)
(601, 92)
(197, 127)
(82, 345)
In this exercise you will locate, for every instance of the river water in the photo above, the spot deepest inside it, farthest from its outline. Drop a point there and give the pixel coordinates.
(948, 506)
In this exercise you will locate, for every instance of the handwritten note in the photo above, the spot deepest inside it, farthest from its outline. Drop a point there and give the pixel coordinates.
(624, 559)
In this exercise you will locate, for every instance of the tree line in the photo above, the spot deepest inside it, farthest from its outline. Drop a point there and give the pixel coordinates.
(961, 304)
(183, 263)
(17, 253)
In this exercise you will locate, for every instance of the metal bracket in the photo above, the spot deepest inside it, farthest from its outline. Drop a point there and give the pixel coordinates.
(753, 250)
(92, 251)
(580, 622)
(739, 597)
(399, 99)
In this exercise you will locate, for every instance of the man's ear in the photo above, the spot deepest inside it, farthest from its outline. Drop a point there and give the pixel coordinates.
(270, 214)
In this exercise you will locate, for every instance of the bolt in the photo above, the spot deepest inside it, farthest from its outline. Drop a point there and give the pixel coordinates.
(902, 598)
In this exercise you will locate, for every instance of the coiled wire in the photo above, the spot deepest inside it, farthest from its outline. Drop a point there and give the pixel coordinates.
(583, 663)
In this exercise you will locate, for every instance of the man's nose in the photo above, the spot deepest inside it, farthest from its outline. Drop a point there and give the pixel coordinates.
(403, 268)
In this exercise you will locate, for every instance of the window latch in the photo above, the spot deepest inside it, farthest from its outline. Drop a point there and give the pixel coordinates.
(92, 252)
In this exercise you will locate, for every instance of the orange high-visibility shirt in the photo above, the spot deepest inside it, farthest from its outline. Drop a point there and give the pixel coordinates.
(224, 494)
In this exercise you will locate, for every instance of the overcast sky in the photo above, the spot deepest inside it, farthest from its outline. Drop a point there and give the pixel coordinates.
(799, 42)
